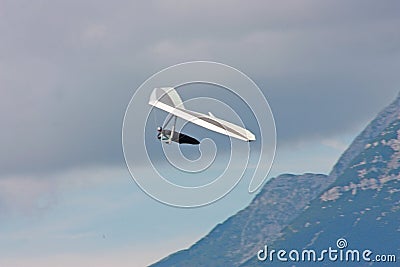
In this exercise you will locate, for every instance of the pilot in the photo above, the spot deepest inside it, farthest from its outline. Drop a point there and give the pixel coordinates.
(161, 134)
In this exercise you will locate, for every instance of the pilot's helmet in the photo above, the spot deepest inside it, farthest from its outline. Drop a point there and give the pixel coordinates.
(159, 129)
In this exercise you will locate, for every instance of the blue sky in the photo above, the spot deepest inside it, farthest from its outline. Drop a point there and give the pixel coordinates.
(69, 68)
(98, 216)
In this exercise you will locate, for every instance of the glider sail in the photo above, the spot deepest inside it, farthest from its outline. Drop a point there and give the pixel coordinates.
(168, 99)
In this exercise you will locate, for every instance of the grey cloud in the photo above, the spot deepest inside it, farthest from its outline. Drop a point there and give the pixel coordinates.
(68, 69)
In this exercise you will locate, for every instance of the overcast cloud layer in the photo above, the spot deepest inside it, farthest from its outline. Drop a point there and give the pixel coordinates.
(68, 69)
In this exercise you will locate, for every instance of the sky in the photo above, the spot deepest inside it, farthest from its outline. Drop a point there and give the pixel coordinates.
(68, 70)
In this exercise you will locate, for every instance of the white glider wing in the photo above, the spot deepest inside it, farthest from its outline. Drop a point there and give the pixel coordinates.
(168, 100)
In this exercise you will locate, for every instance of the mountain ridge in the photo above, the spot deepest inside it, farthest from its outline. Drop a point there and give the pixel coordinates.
(205, 252)
(373, 129)
(362, 206)
(266, 213)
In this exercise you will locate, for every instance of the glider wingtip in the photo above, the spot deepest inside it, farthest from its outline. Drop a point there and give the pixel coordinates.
(251, 138)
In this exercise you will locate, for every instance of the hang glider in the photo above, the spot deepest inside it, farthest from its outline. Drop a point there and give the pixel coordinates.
(168, 99)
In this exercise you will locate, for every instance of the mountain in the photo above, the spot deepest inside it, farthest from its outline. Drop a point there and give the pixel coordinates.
(358, 201)
(374, 128)
(236, 240)
(362, 206)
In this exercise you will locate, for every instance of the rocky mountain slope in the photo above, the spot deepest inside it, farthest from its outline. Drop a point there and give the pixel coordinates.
(373, 129)
(237, 239)
(358, 201)
(362, 206)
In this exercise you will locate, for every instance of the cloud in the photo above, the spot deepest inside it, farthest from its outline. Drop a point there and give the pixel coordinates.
(33, 195)
(68, 69)
(24, 195)
(335, 144)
